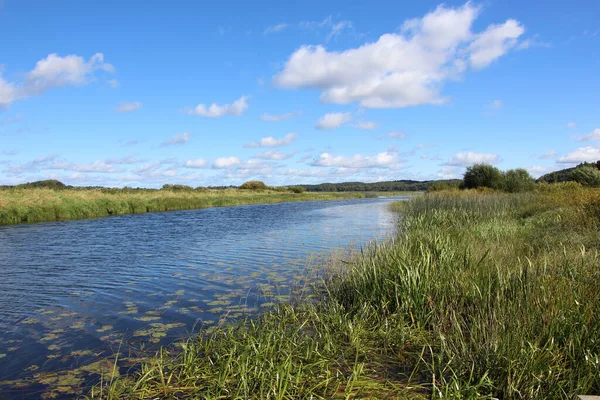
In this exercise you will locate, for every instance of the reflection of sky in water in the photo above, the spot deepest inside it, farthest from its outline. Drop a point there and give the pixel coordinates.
(68, 286)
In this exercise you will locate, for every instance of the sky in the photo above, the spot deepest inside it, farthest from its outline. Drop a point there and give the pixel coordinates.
(144, 93)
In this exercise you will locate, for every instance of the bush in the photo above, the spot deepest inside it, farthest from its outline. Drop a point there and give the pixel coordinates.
(443, 185)
(518, 180)
(297, 189)
(176, 188)
(50, 184)
(254, 185)
(483, 175)
(587, 175)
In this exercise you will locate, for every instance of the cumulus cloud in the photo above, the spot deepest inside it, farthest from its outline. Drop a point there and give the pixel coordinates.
(270, 141)
(367, 125)
(582, 154)
(236, 108)
(226, 162)
(276, 28)
(450, 172)
(198, 163)
(386, 159)
(593, 135)
(52, 72)
(129, 107)
(274, 155)
(333, 120)
(469, 158)
(401, 69)
(571, 125)
(275, 118)
(114, 83)
(177, 139)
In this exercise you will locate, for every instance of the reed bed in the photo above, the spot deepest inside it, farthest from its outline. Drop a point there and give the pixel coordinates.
(28, 205)
(480, 295)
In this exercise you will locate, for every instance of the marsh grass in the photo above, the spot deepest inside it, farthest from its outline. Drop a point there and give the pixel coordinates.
(480, 295)
(28, 205)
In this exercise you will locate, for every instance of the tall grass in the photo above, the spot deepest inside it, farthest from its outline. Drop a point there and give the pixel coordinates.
(480, 295)
(19, 205)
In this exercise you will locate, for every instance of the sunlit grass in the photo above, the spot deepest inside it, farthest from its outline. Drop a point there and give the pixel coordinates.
(19, 205)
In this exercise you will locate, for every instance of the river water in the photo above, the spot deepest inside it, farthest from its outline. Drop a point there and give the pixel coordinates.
(74, 293)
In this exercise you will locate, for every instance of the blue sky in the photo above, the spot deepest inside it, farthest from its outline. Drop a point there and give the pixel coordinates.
(139, 93)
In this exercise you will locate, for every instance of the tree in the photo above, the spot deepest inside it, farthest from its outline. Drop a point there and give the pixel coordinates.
(587, 175)
(483, 175)
(518, 180)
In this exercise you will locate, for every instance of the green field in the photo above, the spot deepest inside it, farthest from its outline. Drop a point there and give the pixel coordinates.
(480, 295)
(28, 205)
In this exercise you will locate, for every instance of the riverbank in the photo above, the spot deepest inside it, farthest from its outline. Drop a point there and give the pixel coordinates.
(481, 295)
(29, 205)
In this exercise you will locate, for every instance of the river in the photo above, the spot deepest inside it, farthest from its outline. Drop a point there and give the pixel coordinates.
(73, 293)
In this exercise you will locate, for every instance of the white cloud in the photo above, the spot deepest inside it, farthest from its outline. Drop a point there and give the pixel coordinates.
(537, 170)
(450, 173)
(395, 135)
(382, 160)
(470, 158)
(274, 118)
(226, 162)
(129, 107)
(334, 27)
(123, 160)
(270, 141)
(548, 155)
(97, 166)
(198, 163)
(274, 155)
(276, 28)
(494, 42)
(496, 104)
(52, 72)
(593, 135)
(333, 120)
(236, 108)
(401, 69)
(582, 154)
(571, 125)
(177, 139)
(114, 83)
(367, 125)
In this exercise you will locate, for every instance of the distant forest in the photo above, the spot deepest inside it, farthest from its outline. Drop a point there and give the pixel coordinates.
(386, 186)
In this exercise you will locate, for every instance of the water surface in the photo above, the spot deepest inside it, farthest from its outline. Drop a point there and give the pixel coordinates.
(73, 293)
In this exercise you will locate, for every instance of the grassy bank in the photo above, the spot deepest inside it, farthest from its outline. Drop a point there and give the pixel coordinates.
(27, 205)
(481, 295)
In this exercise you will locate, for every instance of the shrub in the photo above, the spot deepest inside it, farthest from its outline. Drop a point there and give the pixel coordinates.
(587, 175)
(50, 183)
(254, 185)
(518, 180)
(483, 175)
(297, 189)
(176, 188)
(443, 185)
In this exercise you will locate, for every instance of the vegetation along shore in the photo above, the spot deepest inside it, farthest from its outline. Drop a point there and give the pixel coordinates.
(482, 294)
(52, 201)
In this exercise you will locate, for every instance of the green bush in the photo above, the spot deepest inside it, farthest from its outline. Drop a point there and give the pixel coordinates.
(443, 185)
(297, 189)
(176, 187)
(483, 175)
(49, 183)
(518, 180)
(254, 185)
